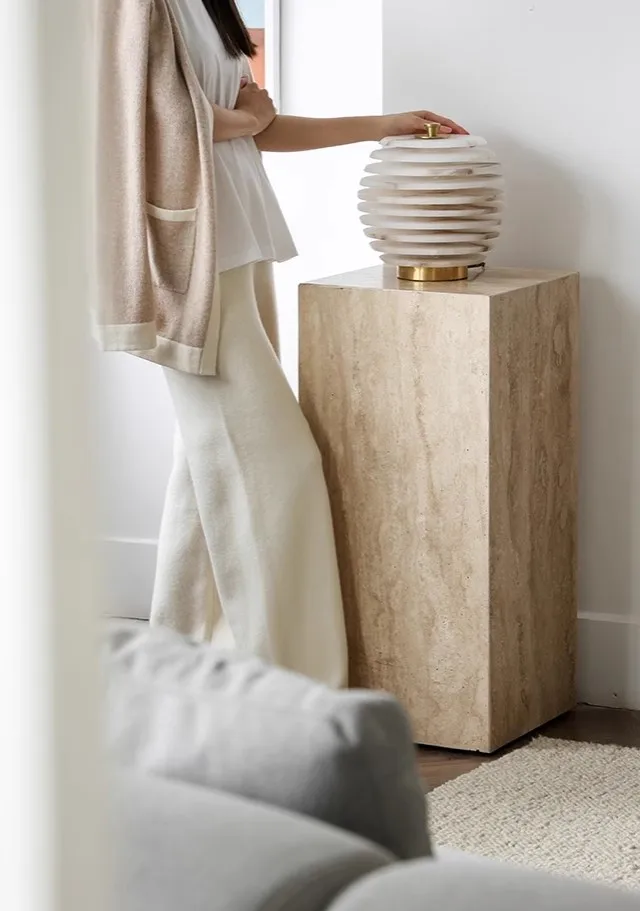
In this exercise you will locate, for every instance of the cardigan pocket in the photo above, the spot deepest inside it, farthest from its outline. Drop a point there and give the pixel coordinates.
(172, 240)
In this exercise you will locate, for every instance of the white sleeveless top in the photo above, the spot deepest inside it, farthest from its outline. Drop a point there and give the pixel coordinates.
(250, 226)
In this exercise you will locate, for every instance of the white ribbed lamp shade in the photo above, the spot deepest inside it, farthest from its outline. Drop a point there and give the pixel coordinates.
(432, 206)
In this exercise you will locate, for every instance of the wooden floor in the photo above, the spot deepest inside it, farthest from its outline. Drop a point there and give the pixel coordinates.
(587, 723)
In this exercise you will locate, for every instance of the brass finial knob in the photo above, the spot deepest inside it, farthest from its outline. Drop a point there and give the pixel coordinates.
(432, 130)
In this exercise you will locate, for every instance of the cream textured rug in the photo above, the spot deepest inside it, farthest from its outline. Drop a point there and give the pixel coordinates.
(565, 807)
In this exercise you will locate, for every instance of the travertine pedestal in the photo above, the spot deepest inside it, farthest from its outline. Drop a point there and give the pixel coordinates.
(447, 418)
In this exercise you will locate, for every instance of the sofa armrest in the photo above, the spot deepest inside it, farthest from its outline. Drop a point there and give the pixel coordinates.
(460, 882)
(180, 847)
(182, 710)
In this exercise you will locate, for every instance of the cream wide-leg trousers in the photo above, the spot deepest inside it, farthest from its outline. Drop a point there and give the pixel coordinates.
(246, 557)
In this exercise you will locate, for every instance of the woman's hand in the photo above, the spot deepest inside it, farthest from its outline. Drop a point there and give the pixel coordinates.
(255, 102)
(414, 122)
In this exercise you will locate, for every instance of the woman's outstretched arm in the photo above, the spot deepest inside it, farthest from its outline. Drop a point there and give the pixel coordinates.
(255, 115)
(298, 134)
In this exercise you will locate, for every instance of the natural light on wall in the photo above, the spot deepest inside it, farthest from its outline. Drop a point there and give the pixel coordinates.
(318, 190)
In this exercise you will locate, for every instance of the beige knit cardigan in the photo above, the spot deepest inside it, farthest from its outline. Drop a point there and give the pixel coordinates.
(155, 191)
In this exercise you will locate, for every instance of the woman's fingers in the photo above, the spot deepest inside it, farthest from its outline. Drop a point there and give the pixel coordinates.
(443, 121)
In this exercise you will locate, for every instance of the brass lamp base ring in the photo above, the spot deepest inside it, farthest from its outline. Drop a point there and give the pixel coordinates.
(433, 273)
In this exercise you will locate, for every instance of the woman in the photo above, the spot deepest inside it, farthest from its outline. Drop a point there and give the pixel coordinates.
(246, 554)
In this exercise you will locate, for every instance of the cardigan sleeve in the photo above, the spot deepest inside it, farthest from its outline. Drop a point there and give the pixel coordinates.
(125, 296)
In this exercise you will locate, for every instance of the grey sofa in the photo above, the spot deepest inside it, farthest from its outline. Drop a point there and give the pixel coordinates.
(240, 787)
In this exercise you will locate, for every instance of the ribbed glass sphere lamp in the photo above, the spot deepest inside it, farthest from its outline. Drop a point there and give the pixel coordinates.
(432, 204)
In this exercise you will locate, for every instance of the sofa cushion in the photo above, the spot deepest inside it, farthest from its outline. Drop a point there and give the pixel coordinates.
(459, 882)
(183, 848)
(184, 711)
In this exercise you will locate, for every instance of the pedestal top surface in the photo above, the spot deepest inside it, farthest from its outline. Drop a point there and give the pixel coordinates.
(490, 283)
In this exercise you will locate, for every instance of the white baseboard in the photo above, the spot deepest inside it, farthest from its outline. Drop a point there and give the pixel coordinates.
(608, 651)
(609, 660)
(130, 565)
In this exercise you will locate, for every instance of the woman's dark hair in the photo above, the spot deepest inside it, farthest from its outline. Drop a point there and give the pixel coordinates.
(231, 28)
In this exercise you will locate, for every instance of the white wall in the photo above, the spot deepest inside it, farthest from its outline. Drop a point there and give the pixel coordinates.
(133, 428)
(331, 66)
(553, 85)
